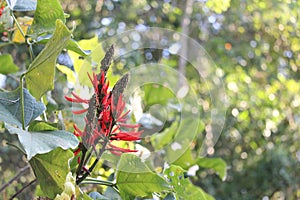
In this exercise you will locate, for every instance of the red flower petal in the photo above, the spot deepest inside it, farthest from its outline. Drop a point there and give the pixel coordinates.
(76, 152)
(77, 99)
(77, 131)
(123, 117)
(127, 136)
(130, 125)
(77, 112)
(118, 150)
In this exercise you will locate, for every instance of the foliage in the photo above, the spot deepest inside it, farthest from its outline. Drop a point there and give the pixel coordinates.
(255, 45)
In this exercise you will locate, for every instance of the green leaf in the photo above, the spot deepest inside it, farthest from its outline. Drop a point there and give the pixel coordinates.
(135, 178)
(43, 141)
(22, 5)
(217, 164)
(160, 140)
(41, 126)
(71, 76)
(7, 64)
(186, 160)
(84, 196)
(183, 188)
(196, 193)
(156, 94)
(74, 46)
(71, 45)
(45, 17)
(51, 170)
(24, 23)
(126, 196)
(10, 107)
(40, 75)
(181, 140)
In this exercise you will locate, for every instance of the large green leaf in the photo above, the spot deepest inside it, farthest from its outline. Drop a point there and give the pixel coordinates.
(41, 126)
(45, 16)
(51, 170)
(7, 64)
(72, 45)
(10, 107)
(186, 160)
(40, 75)
(181, 140)
(160, 140)
(183, 188)
(217, 164)
(135, 178)
(43, 141)
(156, 94)
(22, 5)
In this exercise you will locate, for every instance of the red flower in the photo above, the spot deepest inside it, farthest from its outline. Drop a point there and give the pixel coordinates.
(1, 10)
(105, 118)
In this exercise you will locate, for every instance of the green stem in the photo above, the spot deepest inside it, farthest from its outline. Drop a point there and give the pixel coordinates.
(18, 25)
(24, 35)
(97, 181)
(22, 101)
(30, 50)
(5, 44)
(44, 115)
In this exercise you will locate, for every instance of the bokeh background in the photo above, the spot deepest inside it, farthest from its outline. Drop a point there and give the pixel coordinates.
(256, 48)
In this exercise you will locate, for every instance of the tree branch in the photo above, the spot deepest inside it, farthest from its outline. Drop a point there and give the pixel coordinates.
(17, 176)
(22, 189)
(185, 31)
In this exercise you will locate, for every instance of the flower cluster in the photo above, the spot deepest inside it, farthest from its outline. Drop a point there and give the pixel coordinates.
(105, 120)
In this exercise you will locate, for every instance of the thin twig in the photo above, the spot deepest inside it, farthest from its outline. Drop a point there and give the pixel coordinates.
(22, 189)
(24, 36)
(17, 176)
(18, 25)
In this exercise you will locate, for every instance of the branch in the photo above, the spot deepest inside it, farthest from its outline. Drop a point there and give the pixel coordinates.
(102, 150)
(185, 31)
(22, 189)
(17, 176)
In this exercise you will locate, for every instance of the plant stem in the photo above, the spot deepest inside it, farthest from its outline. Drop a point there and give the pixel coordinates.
(18, 25)
(24, 35)
(17, 176)
(30, 49)
(83, 150)
(22, 189)
(97, 181)
(88, 157)
(102, 150)
(22, 101)
(5, 44)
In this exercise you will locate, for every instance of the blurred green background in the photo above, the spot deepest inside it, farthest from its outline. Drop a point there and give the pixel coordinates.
(256, 48)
